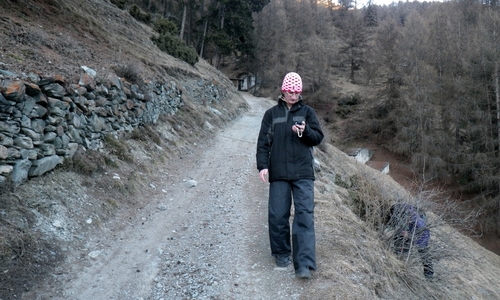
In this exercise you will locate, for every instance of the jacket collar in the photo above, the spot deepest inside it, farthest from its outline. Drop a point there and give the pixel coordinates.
(296, 106)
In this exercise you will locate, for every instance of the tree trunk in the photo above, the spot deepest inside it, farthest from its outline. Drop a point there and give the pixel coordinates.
(203, 38)
(497, 102)
(183, 23)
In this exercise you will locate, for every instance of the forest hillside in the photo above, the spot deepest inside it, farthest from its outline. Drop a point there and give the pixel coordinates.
(416, 79)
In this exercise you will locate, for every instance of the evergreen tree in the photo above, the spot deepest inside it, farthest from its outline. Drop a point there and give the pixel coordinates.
(229, 27)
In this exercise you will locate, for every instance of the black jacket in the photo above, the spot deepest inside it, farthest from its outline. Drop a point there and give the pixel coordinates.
(279, 149)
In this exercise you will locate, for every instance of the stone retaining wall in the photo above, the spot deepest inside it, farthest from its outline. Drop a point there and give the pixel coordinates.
(43, 119)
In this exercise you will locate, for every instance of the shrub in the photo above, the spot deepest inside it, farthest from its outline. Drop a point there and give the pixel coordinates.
(345, 105)
(85, 162)
(350, 100)
(343, 111)
(120, 3)
(169, 42)
(139, 15)
(164, 26)
(146, 133)
(118, 148)
(176, 47)
(129, 72)
(371, 202)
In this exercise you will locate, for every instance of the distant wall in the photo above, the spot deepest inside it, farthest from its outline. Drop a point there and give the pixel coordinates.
(361, 154)
(43, 120)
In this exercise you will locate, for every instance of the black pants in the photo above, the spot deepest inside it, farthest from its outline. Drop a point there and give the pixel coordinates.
(426, 261)
(402, 245)
(303, 235)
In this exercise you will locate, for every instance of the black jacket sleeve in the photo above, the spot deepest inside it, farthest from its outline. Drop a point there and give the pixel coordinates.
(264, 142)
(312, 135)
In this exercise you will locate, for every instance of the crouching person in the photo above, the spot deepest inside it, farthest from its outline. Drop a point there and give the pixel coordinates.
(410, 230)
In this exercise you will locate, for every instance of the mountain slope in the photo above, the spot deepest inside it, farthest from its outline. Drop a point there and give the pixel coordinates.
(228, 205)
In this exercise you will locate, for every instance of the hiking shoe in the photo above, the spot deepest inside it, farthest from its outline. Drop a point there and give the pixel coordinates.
(303, 273)
(283, 261)
(429, 274)
(428, 270)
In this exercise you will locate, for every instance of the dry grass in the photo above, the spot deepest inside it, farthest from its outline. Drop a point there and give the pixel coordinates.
(130, 72)
(118, 148)
(147, 133)
(85, 162)
(24, 254)
(357, 261)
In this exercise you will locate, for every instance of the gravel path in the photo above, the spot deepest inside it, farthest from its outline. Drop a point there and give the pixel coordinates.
(207, 241)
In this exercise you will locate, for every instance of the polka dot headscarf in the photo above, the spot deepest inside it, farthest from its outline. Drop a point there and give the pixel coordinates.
(292, 83)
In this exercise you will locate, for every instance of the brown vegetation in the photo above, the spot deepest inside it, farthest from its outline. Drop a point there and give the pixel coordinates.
(423, 88)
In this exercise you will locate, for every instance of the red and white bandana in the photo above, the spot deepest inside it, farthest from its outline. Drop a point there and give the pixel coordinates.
(292, 83)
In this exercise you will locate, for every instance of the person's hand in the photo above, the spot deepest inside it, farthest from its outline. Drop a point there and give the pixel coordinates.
(299, 128)
(263, 174)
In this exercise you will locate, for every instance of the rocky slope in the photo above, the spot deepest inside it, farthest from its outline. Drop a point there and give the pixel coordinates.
(61, 42)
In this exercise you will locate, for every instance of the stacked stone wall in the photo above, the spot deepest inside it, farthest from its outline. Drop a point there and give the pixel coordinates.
(44, 119)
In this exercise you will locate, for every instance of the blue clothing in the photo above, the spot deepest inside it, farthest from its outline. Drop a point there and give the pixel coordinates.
(411, 230)
(421, 232)
(408, 219)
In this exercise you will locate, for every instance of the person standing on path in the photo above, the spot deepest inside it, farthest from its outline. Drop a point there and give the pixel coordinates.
(289, 131)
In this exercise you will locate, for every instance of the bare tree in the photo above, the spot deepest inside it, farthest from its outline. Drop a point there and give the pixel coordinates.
(346, 4)
(183, 22)
(274, 44)
(354, 37)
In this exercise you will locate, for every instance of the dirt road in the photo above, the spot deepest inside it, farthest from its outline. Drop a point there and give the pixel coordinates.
(203, 235)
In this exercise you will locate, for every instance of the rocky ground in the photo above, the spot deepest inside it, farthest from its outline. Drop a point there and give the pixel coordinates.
(197, 229)
(202, 234)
